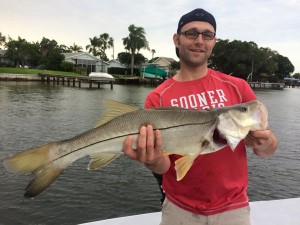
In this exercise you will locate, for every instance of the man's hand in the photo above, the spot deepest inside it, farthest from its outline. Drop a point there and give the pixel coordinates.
(149, 150)
(263, 142)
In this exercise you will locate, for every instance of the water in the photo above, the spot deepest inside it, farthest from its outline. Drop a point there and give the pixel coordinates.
(32, 114)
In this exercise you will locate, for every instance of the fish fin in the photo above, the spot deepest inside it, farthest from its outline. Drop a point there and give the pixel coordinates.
(43, 180)
(100, 160)
(114, 109)
(36, 161)
(28, 161)
(183, 165)
(168, 153)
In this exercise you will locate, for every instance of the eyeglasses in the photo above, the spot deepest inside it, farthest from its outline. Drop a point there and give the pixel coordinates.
(193, 34)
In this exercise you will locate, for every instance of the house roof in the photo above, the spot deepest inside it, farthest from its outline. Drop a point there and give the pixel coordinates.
(116, 63)
(114, 60)
(166, 59)
(76, 55)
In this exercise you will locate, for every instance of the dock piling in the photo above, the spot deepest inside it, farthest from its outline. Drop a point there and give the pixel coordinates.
(75, 79)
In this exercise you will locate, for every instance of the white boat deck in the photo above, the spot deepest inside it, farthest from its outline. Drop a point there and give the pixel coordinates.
(274, 212)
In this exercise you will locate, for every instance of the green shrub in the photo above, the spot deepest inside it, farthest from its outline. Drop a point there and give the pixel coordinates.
(80, 70)
(66, 66)
(123, 71)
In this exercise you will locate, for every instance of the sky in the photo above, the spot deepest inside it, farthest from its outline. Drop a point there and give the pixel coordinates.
(269, 23)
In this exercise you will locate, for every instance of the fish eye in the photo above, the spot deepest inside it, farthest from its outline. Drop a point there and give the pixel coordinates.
(244, 109)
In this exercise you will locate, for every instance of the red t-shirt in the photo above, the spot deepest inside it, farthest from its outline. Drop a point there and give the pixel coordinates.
(216, 182)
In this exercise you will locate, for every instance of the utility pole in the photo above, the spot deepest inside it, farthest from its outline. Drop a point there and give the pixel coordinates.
(252, 69)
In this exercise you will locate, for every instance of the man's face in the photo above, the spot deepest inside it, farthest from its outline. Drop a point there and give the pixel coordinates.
(195, 52)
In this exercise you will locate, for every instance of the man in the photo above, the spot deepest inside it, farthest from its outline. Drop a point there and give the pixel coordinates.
(214, 189)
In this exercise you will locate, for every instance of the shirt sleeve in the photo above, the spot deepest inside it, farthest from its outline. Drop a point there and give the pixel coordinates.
(152, 101)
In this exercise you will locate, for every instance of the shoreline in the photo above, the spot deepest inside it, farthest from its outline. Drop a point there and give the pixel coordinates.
(37, 77)
(19, 77)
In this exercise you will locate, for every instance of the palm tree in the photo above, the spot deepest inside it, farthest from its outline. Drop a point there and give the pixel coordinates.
(64, 48)
(111, 42)
(2, 39)
(93, 47)
(75, 48)
(153, 52)
(135, 41)
(105, 42)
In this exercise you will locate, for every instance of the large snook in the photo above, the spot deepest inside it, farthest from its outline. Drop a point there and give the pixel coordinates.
(185, 132)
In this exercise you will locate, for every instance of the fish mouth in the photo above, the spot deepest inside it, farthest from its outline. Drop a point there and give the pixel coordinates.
(218, 138)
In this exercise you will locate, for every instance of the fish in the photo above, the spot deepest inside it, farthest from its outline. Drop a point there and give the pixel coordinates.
(186, 132)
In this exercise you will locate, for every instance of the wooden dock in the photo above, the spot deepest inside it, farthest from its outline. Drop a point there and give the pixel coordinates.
(266, 85)
(138, 80)
(73, 80)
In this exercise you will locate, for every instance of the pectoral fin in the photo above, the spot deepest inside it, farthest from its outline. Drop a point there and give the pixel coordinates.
(170, 153)
(100, 160)
(183, 165)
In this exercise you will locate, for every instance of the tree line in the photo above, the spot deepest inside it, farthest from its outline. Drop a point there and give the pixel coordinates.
(47, 53)
(248, 61)
(237, 58)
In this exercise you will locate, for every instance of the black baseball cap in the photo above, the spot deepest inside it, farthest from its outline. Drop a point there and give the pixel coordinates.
(196, 15)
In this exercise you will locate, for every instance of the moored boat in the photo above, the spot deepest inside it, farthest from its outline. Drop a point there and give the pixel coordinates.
(102, 76)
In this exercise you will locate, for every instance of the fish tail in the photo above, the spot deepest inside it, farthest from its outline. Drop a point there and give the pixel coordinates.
(43, 179)
(36, 161)
(28, 161)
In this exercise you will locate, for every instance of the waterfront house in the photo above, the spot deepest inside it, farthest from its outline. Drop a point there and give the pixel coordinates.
(164, 63)
(115, 63)
(86, 60)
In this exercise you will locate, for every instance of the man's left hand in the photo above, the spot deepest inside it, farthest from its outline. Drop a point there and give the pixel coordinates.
(263, 142)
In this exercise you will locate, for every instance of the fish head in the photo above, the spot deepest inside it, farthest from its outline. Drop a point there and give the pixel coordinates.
(235, 124)
(253, 114)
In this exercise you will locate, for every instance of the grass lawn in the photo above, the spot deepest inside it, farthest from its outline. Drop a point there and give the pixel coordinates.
(34, 71)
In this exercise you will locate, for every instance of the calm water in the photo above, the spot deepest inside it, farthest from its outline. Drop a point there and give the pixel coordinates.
(32, 114)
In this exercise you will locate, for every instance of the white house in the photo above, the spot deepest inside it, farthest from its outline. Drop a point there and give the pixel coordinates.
(115, 63)
(86, 60)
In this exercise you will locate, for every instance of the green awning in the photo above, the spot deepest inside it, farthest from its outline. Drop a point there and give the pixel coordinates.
(153, 71)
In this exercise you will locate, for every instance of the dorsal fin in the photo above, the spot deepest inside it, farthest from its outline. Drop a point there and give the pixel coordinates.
(114, 109)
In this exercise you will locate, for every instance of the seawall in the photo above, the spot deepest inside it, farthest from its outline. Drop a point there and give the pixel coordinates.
(20, 77)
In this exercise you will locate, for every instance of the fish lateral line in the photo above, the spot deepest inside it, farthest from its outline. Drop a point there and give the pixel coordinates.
(120, 136)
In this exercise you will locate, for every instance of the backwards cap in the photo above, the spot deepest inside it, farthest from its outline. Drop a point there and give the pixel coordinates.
(196, 15)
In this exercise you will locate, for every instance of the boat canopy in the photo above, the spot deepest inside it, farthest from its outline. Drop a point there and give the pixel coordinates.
(153, 71)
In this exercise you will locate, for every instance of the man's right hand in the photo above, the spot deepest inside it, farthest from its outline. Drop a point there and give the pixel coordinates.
(149, 150)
